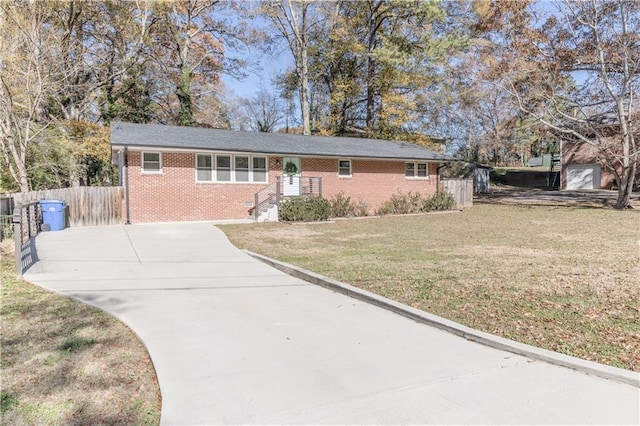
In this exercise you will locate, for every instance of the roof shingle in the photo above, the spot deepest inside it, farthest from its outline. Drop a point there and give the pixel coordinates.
(173, 137)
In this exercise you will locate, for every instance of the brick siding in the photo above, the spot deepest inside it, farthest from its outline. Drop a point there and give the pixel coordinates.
(583, 153)
(371, 181)
(174, 194)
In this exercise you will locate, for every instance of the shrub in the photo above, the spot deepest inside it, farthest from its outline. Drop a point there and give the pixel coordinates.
(400, 203)
(341, 206)
(304, 209)
(385, 208)
(362, 208)
(440, 201)
(498, 177)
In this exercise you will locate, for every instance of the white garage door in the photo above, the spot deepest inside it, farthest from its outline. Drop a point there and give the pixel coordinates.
(583, 176)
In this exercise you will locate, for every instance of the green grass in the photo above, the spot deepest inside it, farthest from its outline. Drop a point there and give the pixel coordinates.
(561, 278)
(64, 362)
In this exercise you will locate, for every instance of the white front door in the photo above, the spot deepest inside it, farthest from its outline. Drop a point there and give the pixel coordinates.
(291, 181)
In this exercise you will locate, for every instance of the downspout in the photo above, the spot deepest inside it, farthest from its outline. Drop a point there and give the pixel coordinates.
(126, 185)
(120, 168)
(438, 177)
(561, 155)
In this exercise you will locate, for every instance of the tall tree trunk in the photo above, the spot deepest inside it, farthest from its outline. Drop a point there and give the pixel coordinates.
(290, 18)
(304, 80)
(183, 92)
(371, 69)
(376, 18)
(626, 186)
(18, 166)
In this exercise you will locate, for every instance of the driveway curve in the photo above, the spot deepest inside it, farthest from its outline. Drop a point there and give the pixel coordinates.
(235, 341)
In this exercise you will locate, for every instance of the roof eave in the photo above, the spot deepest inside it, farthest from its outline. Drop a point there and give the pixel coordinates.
(155, 147)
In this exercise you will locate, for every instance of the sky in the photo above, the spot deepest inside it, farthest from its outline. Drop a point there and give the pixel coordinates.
(269, 68)
(269, 65)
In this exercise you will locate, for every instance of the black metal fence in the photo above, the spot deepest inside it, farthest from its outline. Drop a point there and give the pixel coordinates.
(27, 222)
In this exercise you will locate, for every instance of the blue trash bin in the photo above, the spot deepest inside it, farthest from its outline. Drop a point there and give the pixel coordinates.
(53, 214)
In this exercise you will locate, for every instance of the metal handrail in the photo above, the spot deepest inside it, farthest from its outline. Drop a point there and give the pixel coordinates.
(311, 185)
(272, 194)
(266, 198)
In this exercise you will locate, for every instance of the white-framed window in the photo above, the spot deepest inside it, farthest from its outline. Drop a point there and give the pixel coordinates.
(410, 169)
(344, 168)
(242, 168)
(423, 170)
(151, 162)
(259, 169)
(204, 168)
(223, 168)
(416, 170)
(231, 168)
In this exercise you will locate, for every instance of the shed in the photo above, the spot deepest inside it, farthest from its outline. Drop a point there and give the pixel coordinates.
(481, 178)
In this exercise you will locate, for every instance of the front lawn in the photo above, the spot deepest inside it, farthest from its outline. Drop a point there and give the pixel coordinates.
(66, 363)
(561, 278)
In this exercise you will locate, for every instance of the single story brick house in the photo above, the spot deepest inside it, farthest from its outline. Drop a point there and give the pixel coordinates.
(188, 174)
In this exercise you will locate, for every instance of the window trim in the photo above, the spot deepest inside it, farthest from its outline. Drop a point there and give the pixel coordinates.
(426, 170)
(415, 170)
(247, 170)
(265, 170)
(142, 162)
(212, 169)
(340, 175)
(406, 169)
(232, 168)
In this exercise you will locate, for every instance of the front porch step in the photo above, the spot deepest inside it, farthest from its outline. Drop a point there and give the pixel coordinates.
(270, 215)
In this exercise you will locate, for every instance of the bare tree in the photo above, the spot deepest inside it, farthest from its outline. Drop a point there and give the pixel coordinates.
(98, 43)
(579, 74)
(193, 38)
(292, 19)
(26, 83)
(264, 111)
(52, 68)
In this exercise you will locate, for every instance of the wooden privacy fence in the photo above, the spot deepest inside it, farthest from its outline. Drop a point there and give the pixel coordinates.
(461, 189)
(87, 205)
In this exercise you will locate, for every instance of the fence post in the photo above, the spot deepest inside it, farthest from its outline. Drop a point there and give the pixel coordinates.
(17, 238)
(256, 201)
(28, 222)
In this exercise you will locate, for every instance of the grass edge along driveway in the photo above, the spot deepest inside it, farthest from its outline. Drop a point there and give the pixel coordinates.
(560, 278)
(63, 362)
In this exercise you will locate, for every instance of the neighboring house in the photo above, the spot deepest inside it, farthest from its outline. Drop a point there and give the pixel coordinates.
(183, 173)
(583, 168)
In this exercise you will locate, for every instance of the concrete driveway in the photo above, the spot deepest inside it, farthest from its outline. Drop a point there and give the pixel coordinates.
(236, 341)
